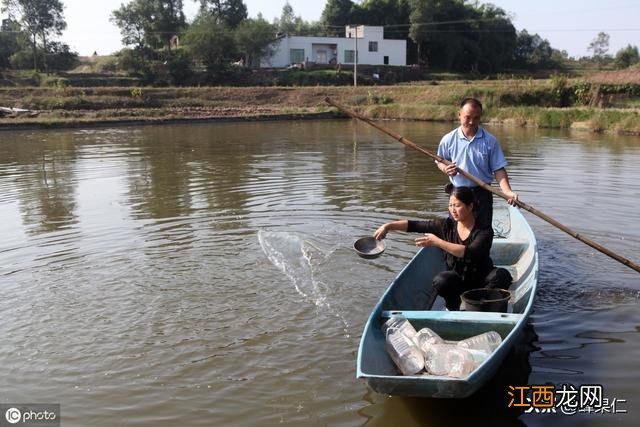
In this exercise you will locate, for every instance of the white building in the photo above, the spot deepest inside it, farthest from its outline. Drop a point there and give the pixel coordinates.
(372, 48)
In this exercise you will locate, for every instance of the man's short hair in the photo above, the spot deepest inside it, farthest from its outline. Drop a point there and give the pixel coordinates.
(472, 101)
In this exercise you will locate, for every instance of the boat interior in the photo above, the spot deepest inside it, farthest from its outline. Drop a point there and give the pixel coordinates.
(513, 248)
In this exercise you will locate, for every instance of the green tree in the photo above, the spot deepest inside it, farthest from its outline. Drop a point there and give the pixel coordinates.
(150, 23)
(534, 52)
(600, 46)
(559, 58)
(417, 30)
(60, 57)
(209, 41)
(496, 38)
(386, 13)
(137, 62)
(38, 18)
(287, 23)
(456, 35)
(179, 67)
(253, 38)
(391, 14)
(627, 57)
(229, 12)
(290, 23)
(313, 28)
(11, 41)
(131, 19)
(337, 14)
(53, 23)
(441, 29)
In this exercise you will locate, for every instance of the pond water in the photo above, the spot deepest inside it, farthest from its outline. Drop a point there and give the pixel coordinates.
(203, 274)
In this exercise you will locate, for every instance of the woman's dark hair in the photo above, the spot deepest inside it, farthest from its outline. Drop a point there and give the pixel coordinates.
(464, 194)
(473, 101)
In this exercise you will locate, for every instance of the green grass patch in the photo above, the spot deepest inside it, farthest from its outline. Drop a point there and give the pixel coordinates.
(511, 102)
(628, 124)
(312, 77)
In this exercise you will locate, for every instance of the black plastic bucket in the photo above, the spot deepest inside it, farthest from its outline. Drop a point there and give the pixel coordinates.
(485, 299)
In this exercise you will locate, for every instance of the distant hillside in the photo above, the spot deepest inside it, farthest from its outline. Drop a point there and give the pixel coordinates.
(619, 77)
(94, 64)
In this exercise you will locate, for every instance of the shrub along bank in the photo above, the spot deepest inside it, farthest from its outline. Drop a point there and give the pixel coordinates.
(555, 103)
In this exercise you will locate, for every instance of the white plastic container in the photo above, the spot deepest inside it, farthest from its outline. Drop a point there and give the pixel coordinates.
(459, 362)
(448, 360)
(399, 322)
(404, 352)
(426, 337)
(486, 342)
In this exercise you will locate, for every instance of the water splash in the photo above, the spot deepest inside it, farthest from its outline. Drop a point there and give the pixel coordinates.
(300, 260)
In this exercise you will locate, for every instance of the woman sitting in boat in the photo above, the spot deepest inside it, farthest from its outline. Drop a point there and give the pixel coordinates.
(466, 248)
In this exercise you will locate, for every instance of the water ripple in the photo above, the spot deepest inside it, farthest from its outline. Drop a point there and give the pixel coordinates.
(156, 268)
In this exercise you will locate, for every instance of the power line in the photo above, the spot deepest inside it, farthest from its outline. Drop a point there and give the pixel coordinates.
(583, 11)
(464, 21)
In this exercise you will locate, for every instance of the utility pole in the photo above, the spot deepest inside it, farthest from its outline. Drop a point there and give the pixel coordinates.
(352, 31)
(355, 59)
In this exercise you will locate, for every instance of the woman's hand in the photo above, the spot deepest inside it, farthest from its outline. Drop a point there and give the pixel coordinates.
(381, 232)
(427, 240)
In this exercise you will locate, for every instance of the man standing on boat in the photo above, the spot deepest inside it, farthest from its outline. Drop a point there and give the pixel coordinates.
(473, 149)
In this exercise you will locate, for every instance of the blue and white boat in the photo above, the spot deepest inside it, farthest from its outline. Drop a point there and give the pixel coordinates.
(514, 248)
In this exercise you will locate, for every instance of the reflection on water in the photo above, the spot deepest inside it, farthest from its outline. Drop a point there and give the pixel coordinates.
(204, 273)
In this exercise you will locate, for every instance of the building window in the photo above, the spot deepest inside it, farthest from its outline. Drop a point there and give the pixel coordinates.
(386, 60)
(297, 56)
(373, 46)
(349, 56)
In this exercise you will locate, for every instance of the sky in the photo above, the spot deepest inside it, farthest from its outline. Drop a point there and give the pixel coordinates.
(568, 24)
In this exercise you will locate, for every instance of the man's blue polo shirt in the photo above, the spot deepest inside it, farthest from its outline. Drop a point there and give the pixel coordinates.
(480, 156)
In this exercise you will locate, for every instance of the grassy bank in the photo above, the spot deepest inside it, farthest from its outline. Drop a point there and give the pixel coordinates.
(517, 102)
(625, 121)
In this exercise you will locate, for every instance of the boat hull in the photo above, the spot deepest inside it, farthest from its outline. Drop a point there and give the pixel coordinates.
(408, 295)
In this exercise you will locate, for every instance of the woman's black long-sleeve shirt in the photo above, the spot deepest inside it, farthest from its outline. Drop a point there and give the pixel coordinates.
(476, 262)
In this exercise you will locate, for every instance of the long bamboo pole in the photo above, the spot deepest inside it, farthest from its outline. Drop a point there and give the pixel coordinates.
(464, 173)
